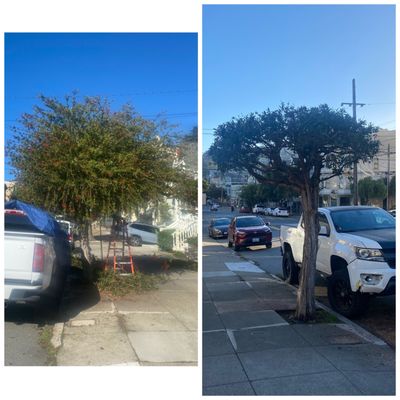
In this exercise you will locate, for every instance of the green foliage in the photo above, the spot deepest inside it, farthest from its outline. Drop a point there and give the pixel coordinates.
(205, 186)
(186, 191)
(165, 239)
(83, 160)
(369, 189)
(193, 241)
(249, 194)
(260, 194)
(116, 284)
(289, 146)
(45, 336)
(164, 212)
(392, 186)
(215, 192)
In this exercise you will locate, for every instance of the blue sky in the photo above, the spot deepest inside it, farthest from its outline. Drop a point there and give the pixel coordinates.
(257, 56)
(154, 72)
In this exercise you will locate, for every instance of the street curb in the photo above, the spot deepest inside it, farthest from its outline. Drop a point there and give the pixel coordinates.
(369, 337)
(353, 327)
(56, 340)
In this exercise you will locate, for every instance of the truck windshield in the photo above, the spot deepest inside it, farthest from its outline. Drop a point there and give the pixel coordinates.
(362, 220)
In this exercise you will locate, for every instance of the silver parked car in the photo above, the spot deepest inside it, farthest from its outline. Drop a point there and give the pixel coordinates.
(139, 233)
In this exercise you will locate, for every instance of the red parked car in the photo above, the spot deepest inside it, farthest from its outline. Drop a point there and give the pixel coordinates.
(245, 231)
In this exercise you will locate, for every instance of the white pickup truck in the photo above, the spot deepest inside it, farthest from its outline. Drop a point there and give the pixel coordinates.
(35, 263)
(356, 252)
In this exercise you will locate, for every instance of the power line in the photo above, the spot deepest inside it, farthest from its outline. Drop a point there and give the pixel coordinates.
(144, 93)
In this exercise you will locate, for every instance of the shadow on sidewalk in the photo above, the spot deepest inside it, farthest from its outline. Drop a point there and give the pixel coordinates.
(79, 295)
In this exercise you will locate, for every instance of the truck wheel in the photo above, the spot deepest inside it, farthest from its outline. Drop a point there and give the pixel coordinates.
(135, 241)
(342, 299)
(289, 268)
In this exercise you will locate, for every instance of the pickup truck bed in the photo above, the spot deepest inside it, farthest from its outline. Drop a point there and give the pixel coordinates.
(35, 263)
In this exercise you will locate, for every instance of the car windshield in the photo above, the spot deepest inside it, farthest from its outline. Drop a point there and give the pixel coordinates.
(222, 221)
(362, 220)
(249, 221)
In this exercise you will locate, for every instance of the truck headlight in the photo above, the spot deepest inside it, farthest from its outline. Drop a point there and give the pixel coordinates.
(369, 254)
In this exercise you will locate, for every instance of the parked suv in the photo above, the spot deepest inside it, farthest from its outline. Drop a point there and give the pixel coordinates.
(139, 233)
(245, 231)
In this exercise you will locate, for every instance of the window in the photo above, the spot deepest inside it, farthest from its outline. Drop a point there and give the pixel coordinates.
(249, 221)
(323, 221)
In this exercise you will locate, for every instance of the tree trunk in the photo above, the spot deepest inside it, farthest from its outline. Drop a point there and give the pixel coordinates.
(87, 257)
(305, 308)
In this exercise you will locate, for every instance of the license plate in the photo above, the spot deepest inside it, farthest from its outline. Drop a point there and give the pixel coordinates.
(256, 240)
(225, 233)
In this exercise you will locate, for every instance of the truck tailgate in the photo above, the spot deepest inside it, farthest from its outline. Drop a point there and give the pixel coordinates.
(18, 254)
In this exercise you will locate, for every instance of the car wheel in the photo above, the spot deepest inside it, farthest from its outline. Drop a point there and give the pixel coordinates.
(268, 245)
(289, 268)
(135, 241)
(341, 297)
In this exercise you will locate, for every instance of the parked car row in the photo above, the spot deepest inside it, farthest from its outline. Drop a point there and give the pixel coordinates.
(242, 231)
(261, 209)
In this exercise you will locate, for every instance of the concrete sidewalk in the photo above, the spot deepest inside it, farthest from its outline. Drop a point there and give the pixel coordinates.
(249, 349)
(158, 327)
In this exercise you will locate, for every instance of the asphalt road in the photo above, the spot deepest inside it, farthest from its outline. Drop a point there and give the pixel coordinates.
(22, 329)
(269, 260)
(380, 317)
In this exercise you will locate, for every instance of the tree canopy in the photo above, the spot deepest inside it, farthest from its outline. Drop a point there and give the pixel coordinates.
(261, 194)
(84, 160)
(215, 192)
(370, 189)
(290, 146)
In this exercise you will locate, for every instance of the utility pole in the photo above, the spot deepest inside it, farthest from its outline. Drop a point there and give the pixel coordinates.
(354, 104)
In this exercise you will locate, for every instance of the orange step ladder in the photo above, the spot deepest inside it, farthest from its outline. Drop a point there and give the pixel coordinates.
(118, 254)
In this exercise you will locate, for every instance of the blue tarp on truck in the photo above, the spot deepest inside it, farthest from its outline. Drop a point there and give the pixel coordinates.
(39, 218)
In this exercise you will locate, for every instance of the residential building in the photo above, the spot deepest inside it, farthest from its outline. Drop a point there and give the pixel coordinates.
(337, 191)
